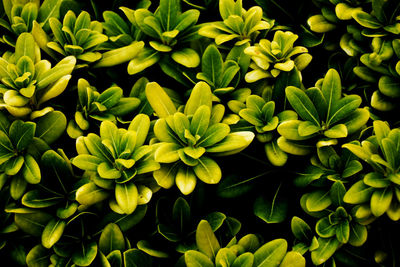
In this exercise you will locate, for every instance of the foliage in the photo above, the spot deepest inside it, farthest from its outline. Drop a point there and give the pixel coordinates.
(266, 115)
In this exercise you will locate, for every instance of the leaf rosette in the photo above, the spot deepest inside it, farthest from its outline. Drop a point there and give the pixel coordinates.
(117, 162)
(189, 140)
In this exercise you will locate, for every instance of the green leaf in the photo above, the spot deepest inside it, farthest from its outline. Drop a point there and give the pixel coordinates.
(90, 194)
(31, 170)
(318, 200)
(126, 196)
(233, 143)
(168, 13)
(167, 153)
(159, 100)
(32, 223)
(271, 211)
(85, 255)
(300, 229)
(206, 240)
(53, 232)
(111, 239)
(380, 201)
(185, 179)
(38, 256)
(358, 234)
(181, 213)
(327, 247)
(186, 57)
(208, 170)
(337, 131)
(293, 259)
(343, 231)
(366, 20)
(200, 121)
(331, 90)
(270, 254)
(136, 258)
(47, 10)
(244, 260)
(145, 59)
(200, 95)
(87, 162)
(22, 133)
(51, 126)
(214, 134)
(212, 64)
(25, 46)
(141, 125)
(63, 67)
(358, 193)
(343, 108)
(37, 199)
(110, 97)
(302, 104)
(225, 257)
(14, 165)
(325, 229)
(194, 258)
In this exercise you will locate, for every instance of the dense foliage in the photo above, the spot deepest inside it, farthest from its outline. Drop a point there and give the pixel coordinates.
(253, 133)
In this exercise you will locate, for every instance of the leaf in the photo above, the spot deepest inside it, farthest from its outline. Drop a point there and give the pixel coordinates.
(38, 256)
(31, 170)
(331, 90)
(32, 223)
(53, 232)
(225, 257)
(380, 201)
(159, 100)
(200, 95)
(208, 170)
(270, 254)
(25, 46)
(37, 199)
(327, 247)
(200, 121)
(244, 260)
(181, 214)
(302, 104)
(47, 10)
(136, 258)
(141, 125)
(358, 193)
(271, 211)
(318, 200)
(185, 180)
(194, 258)
(167, 153)
(126, 196)
(300, 229)
(212, 63)
(168, 13)
(63, 67)
(51, 126)
(90, 194)
(232, 144)
(293, 259)
(358, 234)
(22, 133)
(186, 57)
(87, 162)
(86, 255)
(111, 239)
(325, 229)
(366, 20)
(206, 240)
(343, 108)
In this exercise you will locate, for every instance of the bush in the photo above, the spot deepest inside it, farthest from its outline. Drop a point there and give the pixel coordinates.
(199, 133)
